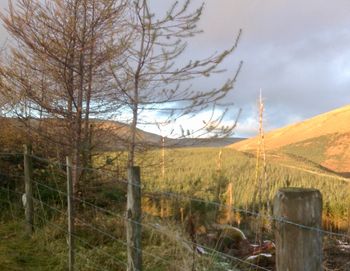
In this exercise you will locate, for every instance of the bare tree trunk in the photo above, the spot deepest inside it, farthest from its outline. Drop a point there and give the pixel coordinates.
(135, 102)
(87, 127)
(77, 169)
(132, 145)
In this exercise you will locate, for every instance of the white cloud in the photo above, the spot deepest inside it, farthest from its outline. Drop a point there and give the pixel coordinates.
(247, 127)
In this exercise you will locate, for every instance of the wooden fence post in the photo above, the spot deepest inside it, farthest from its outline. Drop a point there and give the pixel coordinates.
(349, 214)
(298, 248)
(133, 220)
(349, 219)
(28, 197)
(70, 213)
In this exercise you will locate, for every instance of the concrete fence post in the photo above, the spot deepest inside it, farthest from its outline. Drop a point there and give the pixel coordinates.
(298, 248)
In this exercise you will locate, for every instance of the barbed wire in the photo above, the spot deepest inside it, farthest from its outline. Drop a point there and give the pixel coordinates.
(10, 190)
(281, 220)
(77, 167)
(11, 175)
(153, 227)
(79, 239)
(217, 204)
(252, 213)
(101, 231)
(5, 154)
(240, 210)
(76, 237)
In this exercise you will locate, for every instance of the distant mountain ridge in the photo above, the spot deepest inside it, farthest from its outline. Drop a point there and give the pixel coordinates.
(324, 139)
(107, 135)
(118, 131)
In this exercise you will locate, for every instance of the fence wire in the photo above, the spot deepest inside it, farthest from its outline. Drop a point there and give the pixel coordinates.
(112, 237)
(153, 227)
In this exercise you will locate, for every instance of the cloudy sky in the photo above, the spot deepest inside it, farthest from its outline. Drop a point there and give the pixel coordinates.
(296, 51)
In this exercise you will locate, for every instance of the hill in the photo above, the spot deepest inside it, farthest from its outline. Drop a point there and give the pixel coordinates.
(106, 135)
(323, 139)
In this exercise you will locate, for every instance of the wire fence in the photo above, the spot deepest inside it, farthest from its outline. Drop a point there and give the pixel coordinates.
(198, 200)
(98, 217)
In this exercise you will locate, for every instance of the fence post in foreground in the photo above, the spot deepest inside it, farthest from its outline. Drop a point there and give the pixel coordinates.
(298, 248)
(28, 197)
(133, 220)
(70, 213)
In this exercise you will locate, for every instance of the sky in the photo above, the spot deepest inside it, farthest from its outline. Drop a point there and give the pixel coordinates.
(296, 51)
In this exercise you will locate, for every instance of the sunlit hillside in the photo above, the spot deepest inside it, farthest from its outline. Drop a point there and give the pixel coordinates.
(324, 139)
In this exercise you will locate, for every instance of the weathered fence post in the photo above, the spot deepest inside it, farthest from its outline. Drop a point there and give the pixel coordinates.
(349, 216)
(70, 214)
(298, 248)
(133, 220)
(28, 197)
(349, 219)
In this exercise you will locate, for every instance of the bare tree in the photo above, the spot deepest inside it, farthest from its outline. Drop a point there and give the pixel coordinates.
(152, 77)
(55, 69)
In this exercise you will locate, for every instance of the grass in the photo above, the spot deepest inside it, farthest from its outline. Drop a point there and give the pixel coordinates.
(47, 249)
(313, 149)
(19, 252)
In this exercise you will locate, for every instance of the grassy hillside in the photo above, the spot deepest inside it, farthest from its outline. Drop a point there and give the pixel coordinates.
(313, 149)
(336, 121)
(324, 140)
(331, 152)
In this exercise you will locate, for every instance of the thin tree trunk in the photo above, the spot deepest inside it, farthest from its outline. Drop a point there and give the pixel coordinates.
(87, 127)
(135, 101)
(132, 146)
(79, 119)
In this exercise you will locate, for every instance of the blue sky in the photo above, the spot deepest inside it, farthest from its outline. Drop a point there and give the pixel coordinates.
(297, 52)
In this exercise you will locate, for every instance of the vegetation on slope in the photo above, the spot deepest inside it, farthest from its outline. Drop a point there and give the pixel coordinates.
(313, 149)
(196, 173)
(330, 152)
